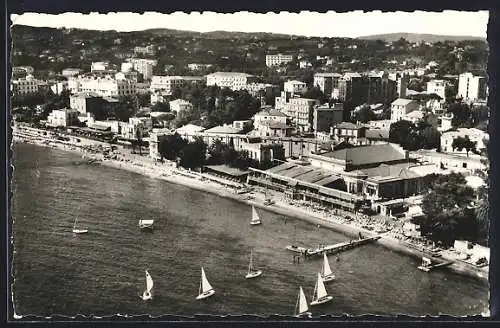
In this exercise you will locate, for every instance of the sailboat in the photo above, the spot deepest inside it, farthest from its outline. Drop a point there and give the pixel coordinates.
(252, 273)
(206, 289)
(149, 285)
(301, 308)
(320, 295)
(78, 231)
(255, 217)
(327, 273)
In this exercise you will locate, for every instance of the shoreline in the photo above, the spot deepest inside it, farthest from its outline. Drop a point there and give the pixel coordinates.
(198, 181)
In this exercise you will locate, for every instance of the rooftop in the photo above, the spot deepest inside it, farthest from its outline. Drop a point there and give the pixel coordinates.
(306, 174)
(227, 170)
(362, 155)
(377, 134)
(271, 112)
(190, 128)
(402, 102)
(224, 129)
(349, 125)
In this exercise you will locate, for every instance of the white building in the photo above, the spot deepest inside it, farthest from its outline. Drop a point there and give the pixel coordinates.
(143, 66)
(62, 117)
(99, 66)
(438, 87)
(126, 67)
(470, 87)
(445, 122)
(295, 87)
(278, 59)
(180, 105)
(158, 97)
(231, 80)
(67, 72)
(300, 110)
(380, 124)
(58, 87)
(168, 83)
(400, 107)
(22, 86)
(195, 66)
(146, 50)
(473, 134)
(105, 86)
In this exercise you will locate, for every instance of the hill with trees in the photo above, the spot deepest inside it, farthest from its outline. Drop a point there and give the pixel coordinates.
(417, 37)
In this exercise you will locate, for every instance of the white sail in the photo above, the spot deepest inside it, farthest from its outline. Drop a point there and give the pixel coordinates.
(250, 265)
(326, 266)
(255, 215)
(149, 282)
(205, 285)
(320, 288)
(74, 225)
(302, 302)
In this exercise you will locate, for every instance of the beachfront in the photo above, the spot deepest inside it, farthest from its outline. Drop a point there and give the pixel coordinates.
(348, 223)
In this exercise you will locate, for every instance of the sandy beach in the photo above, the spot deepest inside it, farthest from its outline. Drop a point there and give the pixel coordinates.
(123, 159)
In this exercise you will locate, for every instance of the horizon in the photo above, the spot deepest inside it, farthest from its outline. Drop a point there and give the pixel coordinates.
(446, 23)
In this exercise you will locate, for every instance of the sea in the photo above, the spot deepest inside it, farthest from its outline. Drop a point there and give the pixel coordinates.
(102, 273)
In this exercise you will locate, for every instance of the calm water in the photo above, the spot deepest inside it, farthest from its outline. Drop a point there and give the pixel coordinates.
(102, 272)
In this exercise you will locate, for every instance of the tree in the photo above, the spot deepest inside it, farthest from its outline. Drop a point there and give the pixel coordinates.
(460, 143)
(161, 107)
(461, 115)
(364, 114)
(315, 93)
(170, 147)
(193, 154)
(447, 210)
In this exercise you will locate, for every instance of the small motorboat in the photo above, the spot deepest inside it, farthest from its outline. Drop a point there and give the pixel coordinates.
(146, 224)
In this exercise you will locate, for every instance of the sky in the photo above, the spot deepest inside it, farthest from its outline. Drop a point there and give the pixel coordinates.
(350, 24)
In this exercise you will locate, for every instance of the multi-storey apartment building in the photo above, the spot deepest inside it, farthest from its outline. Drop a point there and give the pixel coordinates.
(471, 87)
(143, 66)
(400, 107)
(295, 87)
(67, 72)
(168, 83)
(231, 80)
(62, 117)
(300, 110)
(278, 59)
(328, 83)
(104, 86)
(438, 87)
(24, 86)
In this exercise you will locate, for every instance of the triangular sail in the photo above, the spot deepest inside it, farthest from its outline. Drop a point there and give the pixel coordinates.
(302, 302)
(255, 215)
(320, 289)
(326, 266)
(205, 285)
(250, 265)
(149, 282)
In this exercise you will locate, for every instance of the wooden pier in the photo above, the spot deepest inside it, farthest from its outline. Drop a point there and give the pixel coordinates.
(427, 264)
(331, 249)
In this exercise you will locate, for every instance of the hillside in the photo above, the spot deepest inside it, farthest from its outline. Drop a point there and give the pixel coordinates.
(415, 37)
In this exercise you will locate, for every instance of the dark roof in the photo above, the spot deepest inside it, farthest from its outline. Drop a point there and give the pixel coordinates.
(368, 154)
(227, 170)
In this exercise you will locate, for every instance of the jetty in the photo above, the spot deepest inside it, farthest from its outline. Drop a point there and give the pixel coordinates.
(428, 265)
(331, 249)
